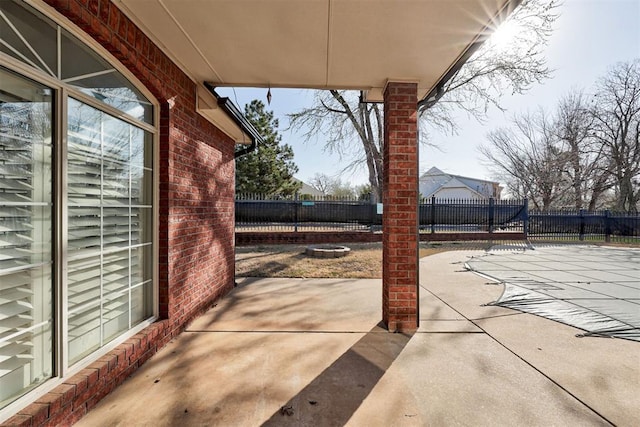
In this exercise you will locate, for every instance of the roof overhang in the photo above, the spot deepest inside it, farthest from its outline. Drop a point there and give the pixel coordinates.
(209, 107)
(319, 44)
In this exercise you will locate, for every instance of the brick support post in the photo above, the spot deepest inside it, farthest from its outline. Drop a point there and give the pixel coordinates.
(400, 213)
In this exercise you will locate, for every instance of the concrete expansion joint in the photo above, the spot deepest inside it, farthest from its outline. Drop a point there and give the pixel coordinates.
(525, 361)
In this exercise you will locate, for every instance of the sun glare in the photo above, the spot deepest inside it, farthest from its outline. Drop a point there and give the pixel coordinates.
(505, 34)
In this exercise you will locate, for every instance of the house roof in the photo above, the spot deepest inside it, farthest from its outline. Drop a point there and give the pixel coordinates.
(307, 189)
(435, 180)
(322, 44)
(455, 183)
(434, 171)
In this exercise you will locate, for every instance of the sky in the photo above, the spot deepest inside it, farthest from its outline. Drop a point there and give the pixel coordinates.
(589, 37)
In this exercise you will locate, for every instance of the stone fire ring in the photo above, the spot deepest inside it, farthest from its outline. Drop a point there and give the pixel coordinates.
(327, 251)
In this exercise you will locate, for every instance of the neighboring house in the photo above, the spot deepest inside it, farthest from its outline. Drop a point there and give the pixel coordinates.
(436, 183)
(117, 165)
(306, 189)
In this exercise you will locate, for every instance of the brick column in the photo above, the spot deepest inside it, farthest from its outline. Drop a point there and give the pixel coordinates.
(400, 213)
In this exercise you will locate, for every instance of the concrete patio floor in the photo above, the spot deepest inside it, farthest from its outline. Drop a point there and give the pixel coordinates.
(310, 352)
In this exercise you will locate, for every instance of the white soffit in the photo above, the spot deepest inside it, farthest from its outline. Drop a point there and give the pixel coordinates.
(322, 44)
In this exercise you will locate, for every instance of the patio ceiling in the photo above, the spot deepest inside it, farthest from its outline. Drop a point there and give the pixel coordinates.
(322, 44)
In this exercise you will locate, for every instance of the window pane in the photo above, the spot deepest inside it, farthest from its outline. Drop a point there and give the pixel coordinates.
(84, 69)
(116, 294)
(108, 246)
(25, 236)
(141, 300)
(116, 224)
(84, 329)
(141, 168)
(141, 266)
(105, 226)
(28, 36)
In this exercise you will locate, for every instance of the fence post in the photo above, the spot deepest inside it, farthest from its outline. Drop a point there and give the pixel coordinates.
(433, 214)
(372, 211)
(296, 207)
(492, 206)
(582, 225)
(525, 226)
(607, 226)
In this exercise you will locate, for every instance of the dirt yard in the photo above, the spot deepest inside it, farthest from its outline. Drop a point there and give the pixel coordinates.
(363, 262)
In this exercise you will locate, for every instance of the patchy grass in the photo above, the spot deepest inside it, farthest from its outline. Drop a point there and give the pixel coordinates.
(363, 262)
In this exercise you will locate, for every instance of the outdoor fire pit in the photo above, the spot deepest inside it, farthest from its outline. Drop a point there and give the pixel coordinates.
(327, 251)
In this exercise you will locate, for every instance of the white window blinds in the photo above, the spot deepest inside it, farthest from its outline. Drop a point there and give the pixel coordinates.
(109, 214)
(25, 235)
(106, 161)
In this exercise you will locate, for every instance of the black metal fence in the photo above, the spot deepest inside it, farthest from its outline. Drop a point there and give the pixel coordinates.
(467, 215)
(296, 213)
(256, 213)
(582, 225)
(304, 213)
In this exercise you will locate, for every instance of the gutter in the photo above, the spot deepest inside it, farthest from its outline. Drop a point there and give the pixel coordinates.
(239, 119)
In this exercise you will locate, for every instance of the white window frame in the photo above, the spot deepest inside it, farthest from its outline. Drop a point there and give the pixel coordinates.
(62, 91)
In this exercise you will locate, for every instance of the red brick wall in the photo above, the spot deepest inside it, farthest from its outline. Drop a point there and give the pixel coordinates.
(304, 238)
(319, 237)
(400, 214)
(196, 239)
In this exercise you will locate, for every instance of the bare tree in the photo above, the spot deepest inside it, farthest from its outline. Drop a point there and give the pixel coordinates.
(617, 127)
(585, 166)
(553, 159)
(331, 186)
(499, 66)
(581, 153)
(527, 158)
(322, 183)
(494, 70)
(340, 118)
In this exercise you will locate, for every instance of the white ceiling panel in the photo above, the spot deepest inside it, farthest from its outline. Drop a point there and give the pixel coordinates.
(324, 44)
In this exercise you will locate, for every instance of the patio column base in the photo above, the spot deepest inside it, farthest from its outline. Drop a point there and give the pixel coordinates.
(404, 327)
(400, 285)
